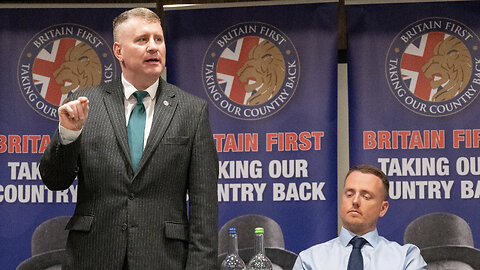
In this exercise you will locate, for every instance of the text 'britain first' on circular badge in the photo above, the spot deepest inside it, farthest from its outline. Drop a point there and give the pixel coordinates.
(250, 71)
(433, 67)
(60, 60)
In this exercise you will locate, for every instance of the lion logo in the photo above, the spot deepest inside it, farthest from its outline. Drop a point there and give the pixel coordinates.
(429, 69)
(449, 69)
(59, 60)
(82, 68)
(266, 67)
(251, 70)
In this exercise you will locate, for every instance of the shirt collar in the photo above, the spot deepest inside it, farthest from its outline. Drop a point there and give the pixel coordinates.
(129, 89)
(346, 236)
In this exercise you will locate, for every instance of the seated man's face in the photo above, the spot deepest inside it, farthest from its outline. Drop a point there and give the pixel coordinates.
(363, 202)
(448, 265)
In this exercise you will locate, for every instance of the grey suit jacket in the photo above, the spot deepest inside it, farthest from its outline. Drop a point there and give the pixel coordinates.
(142, 216)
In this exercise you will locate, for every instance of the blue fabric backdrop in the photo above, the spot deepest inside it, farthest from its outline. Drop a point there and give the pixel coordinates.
(206, 51)
(34, 47)
(413, 106)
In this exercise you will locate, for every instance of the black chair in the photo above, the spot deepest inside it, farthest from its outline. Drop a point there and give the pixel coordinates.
(48, 245)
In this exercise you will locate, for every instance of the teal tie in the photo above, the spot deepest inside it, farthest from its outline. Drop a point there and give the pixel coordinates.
(136, 128)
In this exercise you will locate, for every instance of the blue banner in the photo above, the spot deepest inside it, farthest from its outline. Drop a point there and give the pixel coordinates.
(42, 53)
(413, 112)
(269, 74)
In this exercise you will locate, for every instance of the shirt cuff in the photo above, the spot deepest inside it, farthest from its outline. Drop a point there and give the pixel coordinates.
(68, 136)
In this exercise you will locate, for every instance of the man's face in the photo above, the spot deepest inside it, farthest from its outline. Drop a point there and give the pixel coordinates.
(363, 202)
(140, 48)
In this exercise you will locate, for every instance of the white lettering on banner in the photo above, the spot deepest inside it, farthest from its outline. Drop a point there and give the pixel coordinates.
(304, 191)
(468, 165)
(288, 168)
(419, 28)
(240, 169)
(235, 32)
(51, 34)
(272, 34)
(420, 190)
(108, 72)
(24, 171)
(415, 166)
(235, 192)
(36, 194)
(87, 36)
(469, 190)
(236, 169)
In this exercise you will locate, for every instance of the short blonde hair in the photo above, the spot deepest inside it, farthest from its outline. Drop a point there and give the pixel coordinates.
(370, 169)
(143, 13)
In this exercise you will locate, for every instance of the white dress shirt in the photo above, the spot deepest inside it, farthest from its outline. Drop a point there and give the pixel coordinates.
(68, 136)
(378, 254)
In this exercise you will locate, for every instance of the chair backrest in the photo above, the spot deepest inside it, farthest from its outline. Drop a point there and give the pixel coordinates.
(246, 225)
(50, 235)
(48, 245)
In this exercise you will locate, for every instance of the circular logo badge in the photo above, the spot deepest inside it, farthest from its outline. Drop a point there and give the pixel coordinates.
(251, 71)
(432, 67)
(60, 60)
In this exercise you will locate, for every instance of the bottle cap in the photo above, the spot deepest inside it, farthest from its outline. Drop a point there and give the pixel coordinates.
(232, 230)
(259, 230)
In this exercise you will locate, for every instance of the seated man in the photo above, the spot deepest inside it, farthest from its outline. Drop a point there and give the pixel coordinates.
(364, 200)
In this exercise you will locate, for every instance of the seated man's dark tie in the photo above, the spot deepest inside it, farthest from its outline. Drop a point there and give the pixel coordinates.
(136, 128)
(355, 262)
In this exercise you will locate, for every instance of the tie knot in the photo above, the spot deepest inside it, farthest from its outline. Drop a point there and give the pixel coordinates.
(358, 242)
(140, 95)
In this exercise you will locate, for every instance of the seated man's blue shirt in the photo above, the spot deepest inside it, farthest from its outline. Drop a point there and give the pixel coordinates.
(378, 254)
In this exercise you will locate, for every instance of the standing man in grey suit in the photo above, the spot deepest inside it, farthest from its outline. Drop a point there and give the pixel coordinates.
(131, 210)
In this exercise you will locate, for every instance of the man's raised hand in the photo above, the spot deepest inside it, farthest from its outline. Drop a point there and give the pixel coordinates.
(72, 115)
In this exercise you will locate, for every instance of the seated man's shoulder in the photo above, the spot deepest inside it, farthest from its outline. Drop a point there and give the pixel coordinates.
(407, 255)
(322, 248)
(406, 248)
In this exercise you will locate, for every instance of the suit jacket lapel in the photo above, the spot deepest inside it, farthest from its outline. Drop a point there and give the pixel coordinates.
(114, 103)
(165, 106)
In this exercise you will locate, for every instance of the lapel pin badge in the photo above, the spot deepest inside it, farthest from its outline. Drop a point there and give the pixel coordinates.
(166, 103)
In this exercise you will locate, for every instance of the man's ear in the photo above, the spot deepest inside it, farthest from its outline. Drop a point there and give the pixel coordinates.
(117, 51)
(384, 208)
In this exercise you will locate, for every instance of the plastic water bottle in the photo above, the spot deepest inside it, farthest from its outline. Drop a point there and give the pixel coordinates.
(259, 261)
(232, 261)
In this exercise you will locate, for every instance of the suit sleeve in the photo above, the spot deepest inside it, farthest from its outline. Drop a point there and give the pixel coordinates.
(203, 204)
(58, 166)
